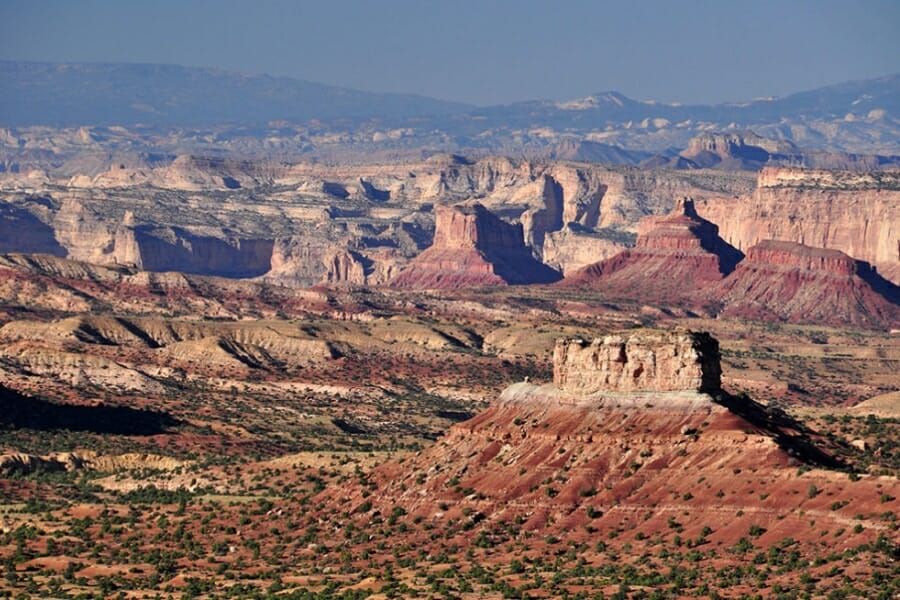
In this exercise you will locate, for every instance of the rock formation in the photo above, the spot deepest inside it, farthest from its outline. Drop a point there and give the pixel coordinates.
(537, 222)
(472, 246)
(382, 212)
(344, 266)
(856, 213)
(83, 234)
(743, 150)
(674, 256)
(639, 362)
(571, 249)
(786, 281)
(154, 248)
(653, 450)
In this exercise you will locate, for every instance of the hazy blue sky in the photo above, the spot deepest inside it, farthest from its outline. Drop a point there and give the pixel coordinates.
(484, 52)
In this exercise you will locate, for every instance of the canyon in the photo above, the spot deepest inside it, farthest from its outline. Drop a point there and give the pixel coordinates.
(225, 376)
(304, 224)
(628, 231)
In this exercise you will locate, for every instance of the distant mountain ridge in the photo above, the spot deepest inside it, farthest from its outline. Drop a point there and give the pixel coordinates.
(857, 117)
(71, 94)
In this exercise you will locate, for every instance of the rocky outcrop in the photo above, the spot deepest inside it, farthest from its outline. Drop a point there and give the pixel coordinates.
(571, 249)
(84, 460)
(345, 267)
(638, 362)
(591, 195)
(684, 229)
(537, 222)
(77, 369)
(856, 213)
(786, 281)
(608, 450)
(733, 150)
(85, 235)
(583, 190)
(675, 255)
(472, 246)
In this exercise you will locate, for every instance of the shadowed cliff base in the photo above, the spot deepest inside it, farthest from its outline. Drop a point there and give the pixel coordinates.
(18, 411)
(791, 435)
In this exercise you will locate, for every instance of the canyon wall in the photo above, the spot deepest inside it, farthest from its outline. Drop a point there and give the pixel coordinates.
(856, 213)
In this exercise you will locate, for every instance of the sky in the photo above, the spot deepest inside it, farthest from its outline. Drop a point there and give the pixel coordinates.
(486, 51)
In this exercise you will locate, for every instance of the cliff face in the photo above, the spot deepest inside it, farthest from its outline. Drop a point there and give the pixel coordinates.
(474, 227)
(744, 150)
(684, 229)
(569, 250)
(326, 208)
(675, 255)
(21, 231)
(538, 222)
(786, 281)
(84, 236)
(473, 247)
(858, 214)
(177, 249)
(641, 362)
(779, 253)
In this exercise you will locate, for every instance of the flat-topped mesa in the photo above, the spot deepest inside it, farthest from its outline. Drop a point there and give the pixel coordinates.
(647, 361)
(792, 254)
(473, 226)
(787, 281)
(824, 179)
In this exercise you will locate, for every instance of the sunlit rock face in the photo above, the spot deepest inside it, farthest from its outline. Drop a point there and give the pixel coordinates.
(472, 246)
(641, 362)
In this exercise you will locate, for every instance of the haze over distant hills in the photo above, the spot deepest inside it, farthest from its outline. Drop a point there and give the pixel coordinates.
(860, 116)
(170, 95)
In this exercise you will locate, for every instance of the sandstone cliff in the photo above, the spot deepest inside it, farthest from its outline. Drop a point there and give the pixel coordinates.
(473, 247)
(856, 213)
(83, 234)
(19, 228)
(639, 362)
(674, 256)
(571, 249)
(786, 281)
(177, 213)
